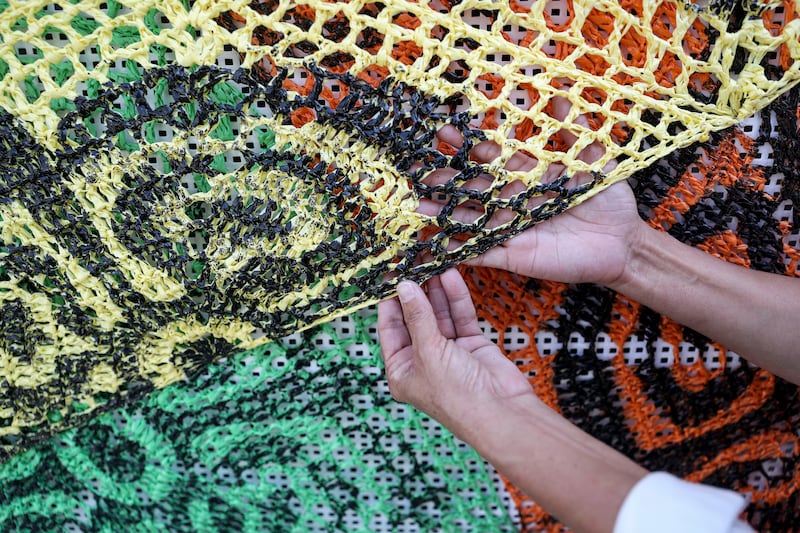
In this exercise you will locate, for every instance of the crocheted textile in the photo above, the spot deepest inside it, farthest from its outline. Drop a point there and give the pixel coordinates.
(665, 395)
(303, 434)
(177, 178)
(300, 435)
(158, 211)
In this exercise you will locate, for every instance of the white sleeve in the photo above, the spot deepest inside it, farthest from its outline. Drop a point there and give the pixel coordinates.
(663, 503)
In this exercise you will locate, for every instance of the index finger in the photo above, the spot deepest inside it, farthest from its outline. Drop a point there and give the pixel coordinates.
(392, 331)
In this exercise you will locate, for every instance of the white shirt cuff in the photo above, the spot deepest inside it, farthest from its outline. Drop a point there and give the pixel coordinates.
(663, 503)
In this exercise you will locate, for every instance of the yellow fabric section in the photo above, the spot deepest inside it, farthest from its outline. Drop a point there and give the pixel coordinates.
(639, 79)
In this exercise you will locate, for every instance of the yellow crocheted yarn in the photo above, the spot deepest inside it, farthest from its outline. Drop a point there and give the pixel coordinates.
(179, 178)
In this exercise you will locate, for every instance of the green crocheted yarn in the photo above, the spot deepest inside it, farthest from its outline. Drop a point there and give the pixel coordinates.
(183, 179)
(298, 435)
(115, 283)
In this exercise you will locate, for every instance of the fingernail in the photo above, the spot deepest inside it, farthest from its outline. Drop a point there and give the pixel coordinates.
(405, 291)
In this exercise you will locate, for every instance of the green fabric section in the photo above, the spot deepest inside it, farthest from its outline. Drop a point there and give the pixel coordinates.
(299, 435)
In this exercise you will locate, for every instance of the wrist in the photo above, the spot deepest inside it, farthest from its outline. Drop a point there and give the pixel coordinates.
(644, 245)
(562, 468)
(618, 259)
(484, 423)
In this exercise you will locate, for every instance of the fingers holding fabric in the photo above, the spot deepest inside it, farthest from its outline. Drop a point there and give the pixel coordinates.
(512, 190)
(441, 307)
(418, 314)
(488, 151)
(526, 187)
(392, 331)
(462, 310)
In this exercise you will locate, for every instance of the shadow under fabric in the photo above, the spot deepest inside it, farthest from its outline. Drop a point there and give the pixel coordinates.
(160, 209)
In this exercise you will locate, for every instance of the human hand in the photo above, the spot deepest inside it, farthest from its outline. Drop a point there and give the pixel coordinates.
(436, 357)
(590, 242)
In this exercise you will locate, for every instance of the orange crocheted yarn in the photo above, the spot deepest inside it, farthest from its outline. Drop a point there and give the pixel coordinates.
(663, 394)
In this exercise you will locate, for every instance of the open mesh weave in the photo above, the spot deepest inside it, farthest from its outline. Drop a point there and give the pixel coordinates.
(302, 435)
(158, 209)
(180, 180)
(298, 435)
(666, 396)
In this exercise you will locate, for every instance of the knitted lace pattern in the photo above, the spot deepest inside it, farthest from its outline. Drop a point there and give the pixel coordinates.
(303, 435)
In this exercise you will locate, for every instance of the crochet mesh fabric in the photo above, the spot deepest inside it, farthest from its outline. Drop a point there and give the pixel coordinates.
(139, 245)
(159, 210)
(666, 396)
(298, 435)
(302, 434)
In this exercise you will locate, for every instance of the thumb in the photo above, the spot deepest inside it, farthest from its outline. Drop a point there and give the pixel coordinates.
(417, 314)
